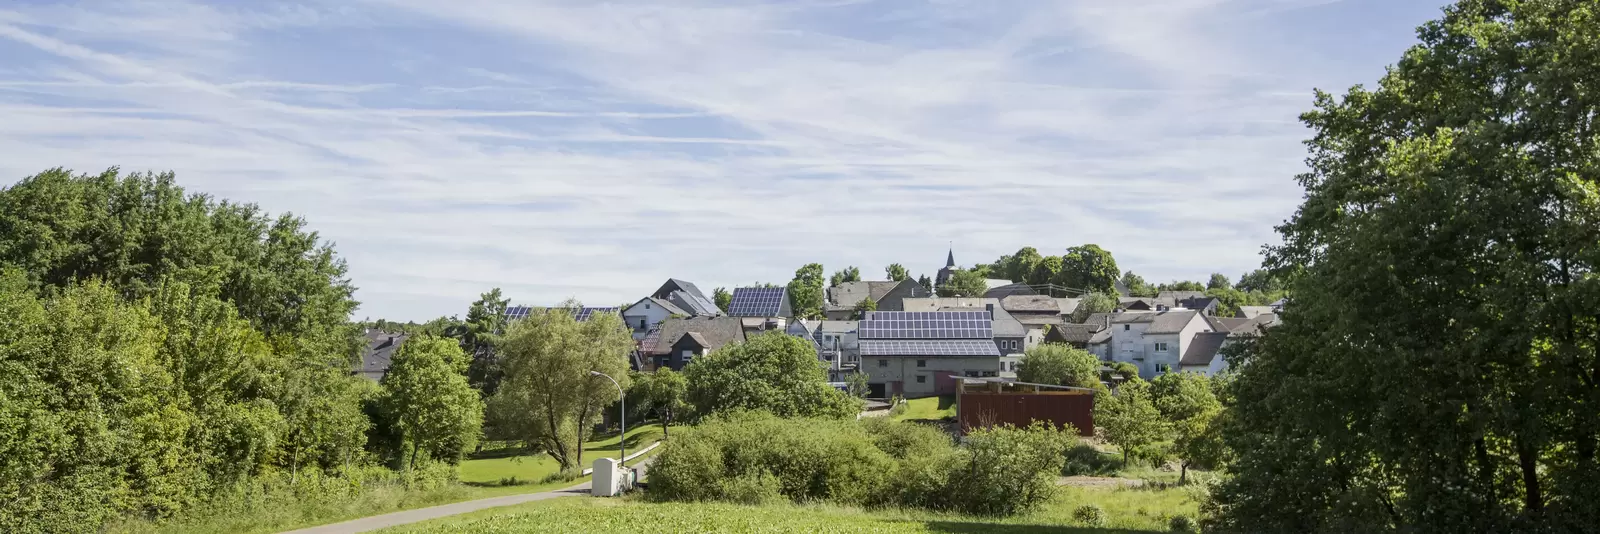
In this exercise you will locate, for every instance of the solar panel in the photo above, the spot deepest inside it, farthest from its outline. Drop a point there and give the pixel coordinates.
(928, 325)
(918, 347)
(756, 302)
(583, 314)
(518, 312)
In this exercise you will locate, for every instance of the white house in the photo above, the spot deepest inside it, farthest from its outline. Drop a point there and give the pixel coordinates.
(1155, 341)
(648, 312)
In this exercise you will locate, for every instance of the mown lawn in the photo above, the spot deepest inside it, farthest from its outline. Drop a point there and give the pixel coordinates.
(929, 409)
(503, 467)
(1127, 510)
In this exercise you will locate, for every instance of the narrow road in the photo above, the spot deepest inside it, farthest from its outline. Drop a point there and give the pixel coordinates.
(370, 523)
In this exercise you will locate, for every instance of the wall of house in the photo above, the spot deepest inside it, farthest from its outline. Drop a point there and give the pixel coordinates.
(1131, 343)
(904, 369)
(645, 311)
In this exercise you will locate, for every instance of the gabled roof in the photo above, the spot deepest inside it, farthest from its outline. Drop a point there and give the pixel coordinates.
(1256, 325)
(1030, 304)
(1075, 333)
(847, 294)
(837, 327)
(713, 332)
(1250, 312)
(1179, 295)
(670, 308)
(1008, 290)
(992, 283)
(1199, 303)
(1145, 303)
(1039, 320)
(380, 350)
(1003, 324)
(1163, 322)
(1226, 324)
(759, 302)
(688, 298)
(1067, 305)
(1203, 348)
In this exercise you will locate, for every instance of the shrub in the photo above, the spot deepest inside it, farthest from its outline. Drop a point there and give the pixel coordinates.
(1009, 470)
(1090, 515)
(810, 459)
(1084, 460)
(1181, 524)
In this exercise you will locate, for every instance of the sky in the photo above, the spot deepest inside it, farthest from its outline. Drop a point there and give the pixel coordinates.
(592, 150)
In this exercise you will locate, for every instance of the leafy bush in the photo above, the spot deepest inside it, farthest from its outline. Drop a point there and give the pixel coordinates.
(1090, 515)
(897, 406)
(746, 457)
(1084, 460)
(772, 372)
(1182, 524)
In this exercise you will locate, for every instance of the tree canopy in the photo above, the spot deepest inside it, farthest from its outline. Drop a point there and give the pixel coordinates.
(722, 298)
(1061, 365)
(1093, 303)
(1089, 268)
(426, 396)
(805, 291)
(964, 283)
(1438, 368)
(896, 272)
(772, 372)
(847, 274)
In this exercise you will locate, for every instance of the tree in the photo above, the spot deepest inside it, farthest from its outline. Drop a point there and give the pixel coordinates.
(857, 385)
(772, 372)
(662, 393)
(1190, 408)
(1445, 253)
(548, 395)
(805, 291)
(866, 305)
(486, 320)
(1044, 271)
(1019, 267)
(1228, 300)
(426, 395)
(896, 272)
(964, 283)
(1260, 280)
(1137, 286)
(1094, 303)
(848, 274)
(1183, 285)
(1089, 268)
(1130, 419)
(722, 297)
(1060, 365)
(925, 282)
(1127, 371)
(1219, 281)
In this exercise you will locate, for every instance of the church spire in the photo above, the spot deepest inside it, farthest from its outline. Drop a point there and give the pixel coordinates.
(950, 261)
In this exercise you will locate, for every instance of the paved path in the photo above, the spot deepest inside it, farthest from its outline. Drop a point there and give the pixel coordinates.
(376, 522)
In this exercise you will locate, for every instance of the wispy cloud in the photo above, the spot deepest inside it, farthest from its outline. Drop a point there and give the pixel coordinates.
(579, 149)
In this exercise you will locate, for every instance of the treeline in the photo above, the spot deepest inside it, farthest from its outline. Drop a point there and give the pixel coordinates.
(161, 351)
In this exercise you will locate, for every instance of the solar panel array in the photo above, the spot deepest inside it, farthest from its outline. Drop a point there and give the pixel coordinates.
(514, 313)
(928, 325)
(756, 302)
(920, 347)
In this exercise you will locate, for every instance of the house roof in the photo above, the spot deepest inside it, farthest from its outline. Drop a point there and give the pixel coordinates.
(1203, 348)
(670, 308)
(929, 347)
(380, 350)
(848, 294)
(1076, 333)
(1162, 322)
(935, 303)
(1067, 305)
(647, 344)
(1033, 320)
(1103, 336)
(838, 327)
(1226, 324)
(1008, 290)
(1250, 312)
(689, 297)
(1003, 324)
(701, 340)
(1149, 302)
(1031, 303)
(995, 282)
(1180, 295)
(714, 332)
(1256, 325)
(1199, 303)
(759, 302)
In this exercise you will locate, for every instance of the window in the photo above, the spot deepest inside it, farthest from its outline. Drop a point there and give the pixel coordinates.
(1125, 328)
(1161, 347)
(687, 355)
(1013, 344)
(922, 379)
(883, 363)
(641, 324)
(922, 363)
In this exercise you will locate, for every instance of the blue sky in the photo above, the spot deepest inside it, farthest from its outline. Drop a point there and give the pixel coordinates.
(591, 150)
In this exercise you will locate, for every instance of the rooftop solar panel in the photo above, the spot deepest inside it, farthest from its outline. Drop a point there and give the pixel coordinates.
(584, 314)
(514, 313)
(518, 312)
(928, 325)
(920, 347)
(756, 302)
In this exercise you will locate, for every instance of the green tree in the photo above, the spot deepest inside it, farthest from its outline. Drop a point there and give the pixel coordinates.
(1094, 303)
(1228, 300)
(548, 395)
(1130, 420)
(1182, 285)
(771, 372)
(1137, 286)
(1190, 408)
(805, 291)
(866, 305)
(964, 283)
(1127, 371)
(1089, 268)
(1260, 280)
(856, 385)
(848, 274)
(1019, 267)
(1219, 281)
(896, 272)
(663, 393)
(1437, 371)
(1061, 365)
(486, 320)
(722, 297)
(925, 282)
(1044, 271)
(426, 395)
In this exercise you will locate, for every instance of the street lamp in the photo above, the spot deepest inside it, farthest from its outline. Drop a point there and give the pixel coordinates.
(622, 418)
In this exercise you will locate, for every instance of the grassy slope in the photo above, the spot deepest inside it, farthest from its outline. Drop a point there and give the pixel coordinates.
(929, 408)
(480, 478)
(1127, 510)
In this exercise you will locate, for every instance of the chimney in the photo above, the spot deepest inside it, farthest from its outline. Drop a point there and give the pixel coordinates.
(1161, 307)
(989, 308)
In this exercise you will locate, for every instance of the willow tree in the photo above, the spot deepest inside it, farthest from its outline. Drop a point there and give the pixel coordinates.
(1436, 370)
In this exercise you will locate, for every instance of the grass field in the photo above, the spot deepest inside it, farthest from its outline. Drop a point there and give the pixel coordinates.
(929, 409)
(1127, 510)
(479, 478)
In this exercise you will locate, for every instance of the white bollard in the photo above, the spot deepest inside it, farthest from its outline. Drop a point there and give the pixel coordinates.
(607, 480)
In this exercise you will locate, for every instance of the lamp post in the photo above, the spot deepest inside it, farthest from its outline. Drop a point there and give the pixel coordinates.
(622, 418)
